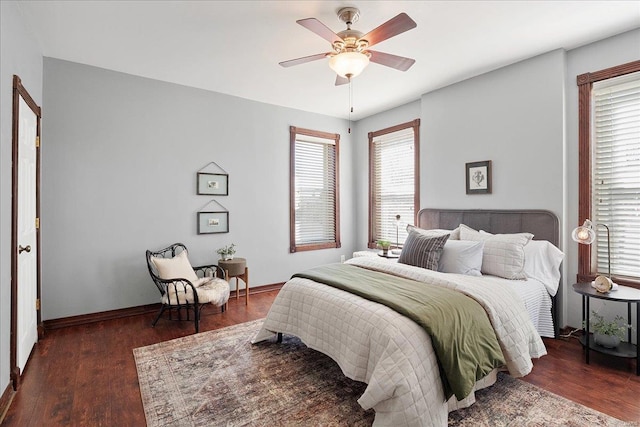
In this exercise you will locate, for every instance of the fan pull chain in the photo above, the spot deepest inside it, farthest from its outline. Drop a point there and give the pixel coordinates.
(350, 103)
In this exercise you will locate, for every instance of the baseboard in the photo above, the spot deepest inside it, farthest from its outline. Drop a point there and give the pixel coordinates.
(5, 401)
(83, 319)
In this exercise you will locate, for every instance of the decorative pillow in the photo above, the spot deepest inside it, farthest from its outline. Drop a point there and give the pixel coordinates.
(422, 251)
(177, 267)
(453, 234)
(503, 254)
(542, 262)
(461, 257)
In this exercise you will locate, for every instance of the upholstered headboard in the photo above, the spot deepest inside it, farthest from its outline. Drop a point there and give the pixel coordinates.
(544, 225)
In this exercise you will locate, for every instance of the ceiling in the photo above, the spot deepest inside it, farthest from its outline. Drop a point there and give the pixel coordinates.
(234, 47)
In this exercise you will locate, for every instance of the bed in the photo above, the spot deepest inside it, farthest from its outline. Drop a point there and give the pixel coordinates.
(393, 354)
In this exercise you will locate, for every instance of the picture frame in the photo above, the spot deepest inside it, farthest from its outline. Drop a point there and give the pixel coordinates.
(213, 184)
(478, 177)
(213, 222)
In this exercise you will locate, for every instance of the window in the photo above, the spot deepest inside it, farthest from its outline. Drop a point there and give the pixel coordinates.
(393, 181)
(314, 190)
(609, 171)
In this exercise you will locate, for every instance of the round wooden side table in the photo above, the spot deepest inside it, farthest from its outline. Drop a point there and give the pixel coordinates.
(237, 268)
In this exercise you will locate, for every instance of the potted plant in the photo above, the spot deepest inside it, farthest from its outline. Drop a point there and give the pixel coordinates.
(385, 245)
(607, 333)
(227, 252)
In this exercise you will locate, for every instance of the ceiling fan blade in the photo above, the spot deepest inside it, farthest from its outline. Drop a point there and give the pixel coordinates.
(312, 24)
(391, 28)
(297, 61)
(341, 80)
(394, 61)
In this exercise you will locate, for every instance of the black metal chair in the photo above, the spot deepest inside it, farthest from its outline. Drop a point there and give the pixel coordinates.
(181, 294)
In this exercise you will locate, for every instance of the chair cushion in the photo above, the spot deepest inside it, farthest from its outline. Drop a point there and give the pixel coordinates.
(211, 290)
(177, 267)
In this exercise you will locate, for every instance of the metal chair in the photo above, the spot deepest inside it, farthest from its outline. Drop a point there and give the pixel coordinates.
(181, 294)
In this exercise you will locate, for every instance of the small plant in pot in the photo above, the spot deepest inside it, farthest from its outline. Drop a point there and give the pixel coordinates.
(607, 333)
(385, 245)
(227, 252)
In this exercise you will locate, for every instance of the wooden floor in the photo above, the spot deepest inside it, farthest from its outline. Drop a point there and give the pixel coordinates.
(86, 375)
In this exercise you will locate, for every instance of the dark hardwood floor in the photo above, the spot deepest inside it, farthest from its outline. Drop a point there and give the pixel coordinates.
(86, 375)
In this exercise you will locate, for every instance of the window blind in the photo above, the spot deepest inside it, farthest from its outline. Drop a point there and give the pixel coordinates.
(616, 173)
(393, 184)
(315, 190)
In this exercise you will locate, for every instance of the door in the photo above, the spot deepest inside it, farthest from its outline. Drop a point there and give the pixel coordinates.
(25, 229)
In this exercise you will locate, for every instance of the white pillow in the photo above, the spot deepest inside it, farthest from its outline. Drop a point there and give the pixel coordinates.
(435, 232)
(542, 262)
(461, 257)
(177, 267)
(503, 254)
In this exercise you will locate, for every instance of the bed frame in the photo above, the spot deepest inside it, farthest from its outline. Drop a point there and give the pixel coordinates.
(544, 225)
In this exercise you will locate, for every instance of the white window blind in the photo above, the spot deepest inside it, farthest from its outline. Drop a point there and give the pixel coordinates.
(616, 172)
(393, 184)
(315, 190)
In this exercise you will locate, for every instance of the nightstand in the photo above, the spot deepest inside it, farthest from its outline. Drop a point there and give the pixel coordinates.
(622, 294)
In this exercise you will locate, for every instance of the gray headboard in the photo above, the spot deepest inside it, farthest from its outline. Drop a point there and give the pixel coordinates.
(544, 225)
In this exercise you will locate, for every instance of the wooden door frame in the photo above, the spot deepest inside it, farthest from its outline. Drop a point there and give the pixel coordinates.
(20, 91)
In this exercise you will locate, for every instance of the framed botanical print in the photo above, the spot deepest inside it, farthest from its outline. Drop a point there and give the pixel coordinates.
(213, 184)
(478, 177)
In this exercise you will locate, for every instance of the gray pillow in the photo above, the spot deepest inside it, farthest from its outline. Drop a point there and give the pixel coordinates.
(422, 251)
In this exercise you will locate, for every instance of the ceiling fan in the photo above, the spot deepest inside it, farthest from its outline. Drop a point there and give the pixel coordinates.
(350, 52)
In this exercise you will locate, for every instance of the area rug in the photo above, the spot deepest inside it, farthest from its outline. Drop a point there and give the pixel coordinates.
(218, 378)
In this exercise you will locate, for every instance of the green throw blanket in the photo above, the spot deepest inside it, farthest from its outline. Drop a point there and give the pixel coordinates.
(463, 338)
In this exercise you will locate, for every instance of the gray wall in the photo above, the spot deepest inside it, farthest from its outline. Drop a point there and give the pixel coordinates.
(593, 57)
(512, 116)
(19, 55)
(120, 157)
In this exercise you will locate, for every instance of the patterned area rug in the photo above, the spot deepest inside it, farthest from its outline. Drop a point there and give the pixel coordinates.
(218, 378)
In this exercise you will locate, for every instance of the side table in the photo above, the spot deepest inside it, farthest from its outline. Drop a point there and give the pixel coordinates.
(237, 268)
(622, 294)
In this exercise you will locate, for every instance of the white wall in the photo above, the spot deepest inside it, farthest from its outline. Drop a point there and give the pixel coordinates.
(19, 55)
(593, 57)
(402, 114)
(120, 156)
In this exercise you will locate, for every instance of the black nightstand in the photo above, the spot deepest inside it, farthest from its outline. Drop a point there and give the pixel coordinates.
(622, 294)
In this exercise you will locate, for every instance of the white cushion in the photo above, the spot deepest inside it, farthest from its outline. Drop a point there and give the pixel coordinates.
(177, 267)
(503, 254)
(435, 232)
(542, 262)
(461, 257)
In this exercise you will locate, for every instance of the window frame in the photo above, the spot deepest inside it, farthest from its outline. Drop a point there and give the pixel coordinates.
(415, 124)
(586, 270)
(293, 246)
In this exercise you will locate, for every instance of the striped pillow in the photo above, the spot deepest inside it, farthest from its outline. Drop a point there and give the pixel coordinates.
(422, 251)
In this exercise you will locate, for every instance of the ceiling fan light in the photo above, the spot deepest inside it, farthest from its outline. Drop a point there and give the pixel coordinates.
(349, 64)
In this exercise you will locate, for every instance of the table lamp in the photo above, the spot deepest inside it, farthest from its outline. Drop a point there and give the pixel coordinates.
(397, 249)
(586, 235)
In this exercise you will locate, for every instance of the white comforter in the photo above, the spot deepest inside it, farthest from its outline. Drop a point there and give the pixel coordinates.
(392, 354)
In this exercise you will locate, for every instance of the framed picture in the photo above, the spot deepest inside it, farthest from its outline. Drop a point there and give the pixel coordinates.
(213, 222)
(479, 177)
(216, 184)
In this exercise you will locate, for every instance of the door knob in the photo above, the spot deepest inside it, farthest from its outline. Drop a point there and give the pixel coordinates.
(21, 249)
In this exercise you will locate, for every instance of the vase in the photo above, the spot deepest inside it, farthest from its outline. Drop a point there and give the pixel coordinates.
(385, 251)
(607, 341)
